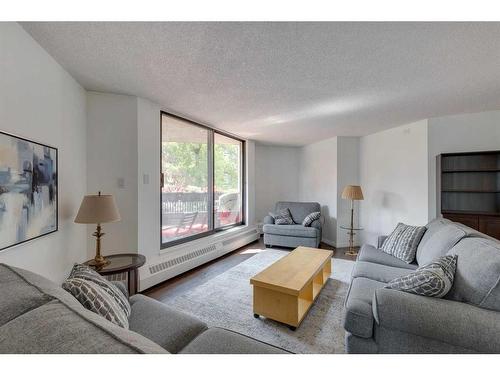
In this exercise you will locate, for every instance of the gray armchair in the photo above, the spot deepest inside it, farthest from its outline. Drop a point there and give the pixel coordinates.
(296, 234)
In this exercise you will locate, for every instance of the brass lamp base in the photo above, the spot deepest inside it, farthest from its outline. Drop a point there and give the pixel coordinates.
(99, 261)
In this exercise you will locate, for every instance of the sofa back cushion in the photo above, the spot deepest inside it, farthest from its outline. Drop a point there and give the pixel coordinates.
(299, 210)
(478, 272)
(441, 235)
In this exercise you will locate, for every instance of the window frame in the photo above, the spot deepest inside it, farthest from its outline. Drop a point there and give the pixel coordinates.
(211, 178)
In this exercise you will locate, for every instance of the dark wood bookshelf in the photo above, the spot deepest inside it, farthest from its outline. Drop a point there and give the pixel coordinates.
(470, 189)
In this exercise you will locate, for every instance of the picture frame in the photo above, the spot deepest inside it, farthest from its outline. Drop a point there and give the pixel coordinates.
(29, 190)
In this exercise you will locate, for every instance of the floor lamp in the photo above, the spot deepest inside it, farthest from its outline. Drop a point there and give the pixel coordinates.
(353, 193)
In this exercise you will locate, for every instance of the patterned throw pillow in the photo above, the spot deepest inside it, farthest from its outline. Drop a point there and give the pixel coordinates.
(310, 218)
(403, 241)
(282, 217)
(432, 280)
(97, 294)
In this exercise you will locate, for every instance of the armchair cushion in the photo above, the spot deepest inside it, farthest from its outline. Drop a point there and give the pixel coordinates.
(299, 210)
(294, 230)
(282, 217)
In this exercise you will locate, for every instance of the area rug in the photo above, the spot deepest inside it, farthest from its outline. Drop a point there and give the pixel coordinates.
(226, 301)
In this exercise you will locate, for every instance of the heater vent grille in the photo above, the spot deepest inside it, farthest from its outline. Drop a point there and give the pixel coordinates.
(182, 259)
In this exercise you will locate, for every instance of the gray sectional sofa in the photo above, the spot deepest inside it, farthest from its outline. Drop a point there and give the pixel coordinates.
(466, 320)
(293, 235)
(37, 316)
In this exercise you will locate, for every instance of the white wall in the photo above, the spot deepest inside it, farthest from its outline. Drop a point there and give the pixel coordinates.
(112, 161)
(318, 182)
(41, 101)
(347, 174)
(148, 183)
(466, 132)
(276, 177)
(394, 179)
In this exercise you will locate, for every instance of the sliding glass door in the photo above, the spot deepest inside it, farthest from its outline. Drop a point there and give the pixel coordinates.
(202, 180)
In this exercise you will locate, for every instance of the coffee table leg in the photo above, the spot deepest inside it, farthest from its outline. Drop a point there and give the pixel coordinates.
(292, 328)
(256, 316)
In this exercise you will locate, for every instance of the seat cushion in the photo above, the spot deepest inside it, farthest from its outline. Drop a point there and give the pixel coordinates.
(294, 230)
(358, 317)
(477, 276)
(378, 272)
(169, 328)
(369, 253)
(439, 238)
(222, 341)
(299, 210)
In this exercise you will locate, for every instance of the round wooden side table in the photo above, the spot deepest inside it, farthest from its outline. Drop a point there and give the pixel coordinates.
(120, 263)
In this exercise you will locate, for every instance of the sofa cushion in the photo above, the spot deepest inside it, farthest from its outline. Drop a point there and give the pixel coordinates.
(369, 253)
(403, 241)
(477, 277)
(169, 328)
(299, 210)
(378, 272)
(55, 328)
(62, 324)
(17, 296)
(294, 230)
(439, 238)
(223, 341)
(432, 280)
(358, 317)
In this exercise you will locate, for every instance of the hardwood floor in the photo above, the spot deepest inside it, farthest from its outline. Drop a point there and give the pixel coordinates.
(207, 271)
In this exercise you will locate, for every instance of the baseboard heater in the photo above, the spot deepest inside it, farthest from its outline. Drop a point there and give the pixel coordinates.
(193, 254)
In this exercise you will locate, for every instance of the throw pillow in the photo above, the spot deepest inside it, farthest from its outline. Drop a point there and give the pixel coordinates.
(81, 271)
(282, 217)
(432, 280)
(403, 241)
(97, 294)
(310, 218)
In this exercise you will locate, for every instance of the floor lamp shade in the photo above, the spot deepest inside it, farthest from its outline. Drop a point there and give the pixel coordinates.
(96, 209)
(352, 192)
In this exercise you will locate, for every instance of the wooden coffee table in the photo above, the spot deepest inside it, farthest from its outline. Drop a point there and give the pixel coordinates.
(286, 290)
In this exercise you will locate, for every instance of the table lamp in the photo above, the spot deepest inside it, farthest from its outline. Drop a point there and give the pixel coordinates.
(353, 193)
(98, 209)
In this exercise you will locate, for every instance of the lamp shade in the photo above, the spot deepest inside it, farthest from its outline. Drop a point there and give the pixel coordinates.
(352, 192)
(96, 209)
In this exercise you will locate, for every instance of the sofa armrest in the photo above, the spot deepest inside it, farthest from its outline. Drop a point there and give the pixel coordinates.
(268, 219)
(316, 224)
(451, 322)
(380, 241)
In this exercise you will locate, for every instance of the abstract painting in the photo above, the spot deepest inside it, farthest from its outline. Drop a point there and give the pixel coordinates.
(28, 190)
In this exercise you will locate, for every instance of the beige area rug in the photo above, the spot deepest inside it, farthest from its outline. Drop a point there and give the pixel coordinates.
(226, 301)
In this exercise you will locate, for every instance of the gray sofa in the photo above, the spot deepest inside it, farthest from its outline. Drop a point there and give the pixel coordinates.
(37, 316)
(296, 234)
(466, 320)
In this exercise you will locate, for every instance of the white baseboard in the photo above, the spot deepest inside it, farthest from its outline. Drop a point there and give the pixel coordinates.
(192, 254)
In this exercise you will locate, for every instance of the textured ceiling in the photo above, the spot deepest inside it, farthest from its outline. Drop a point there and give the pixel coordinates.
(287, 83)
